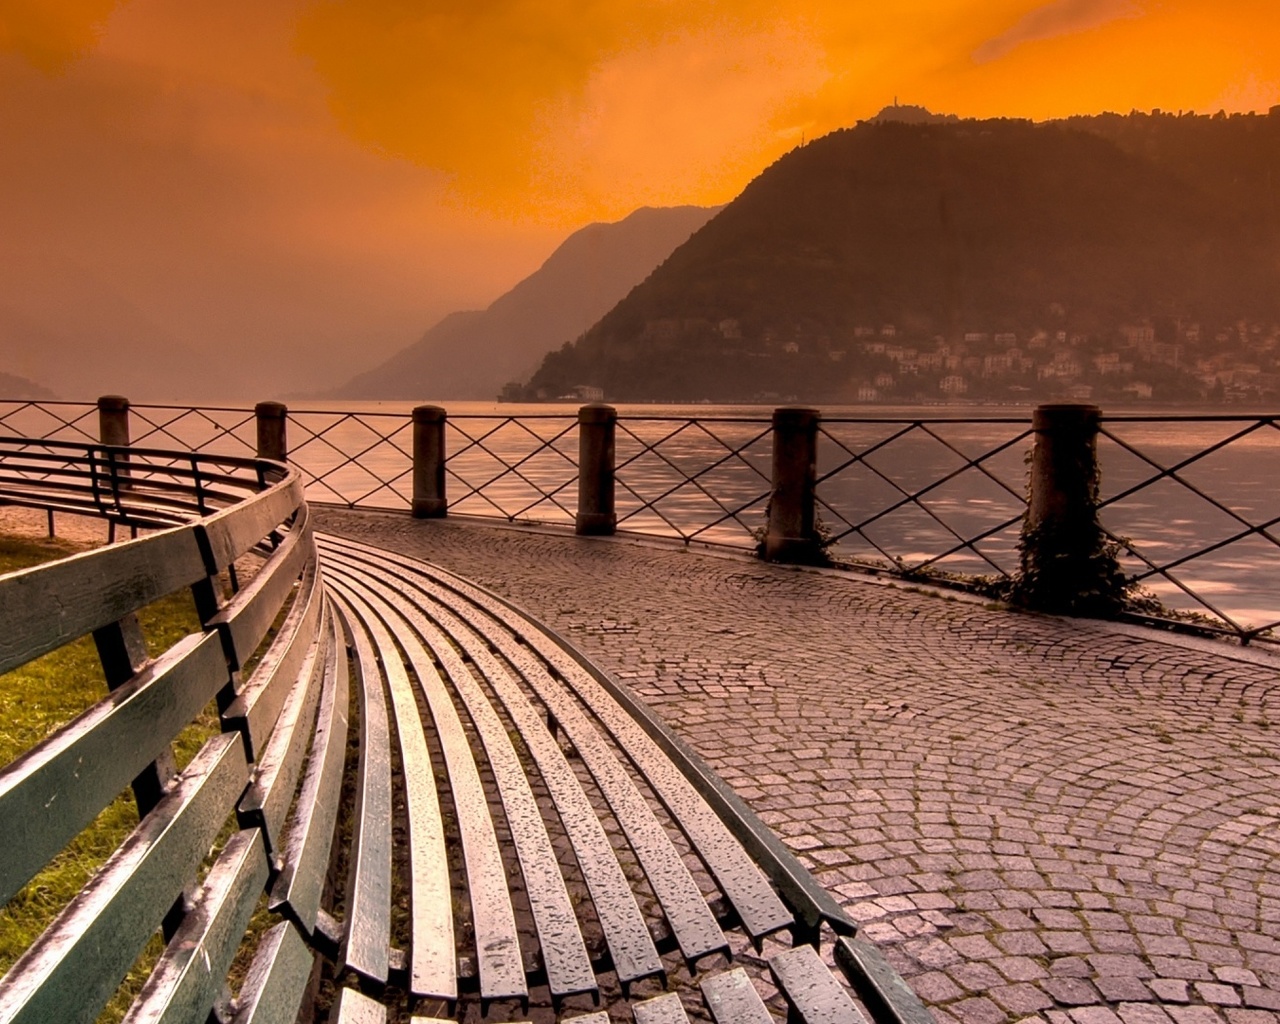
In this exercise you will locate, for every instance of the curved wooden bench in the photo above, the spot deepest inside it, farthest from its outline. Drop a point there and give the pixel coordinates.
(265, 789)
(559, 842)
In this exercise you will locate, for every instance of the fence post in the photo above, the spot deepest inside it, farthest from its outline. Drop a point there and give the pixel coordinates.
(273, 419)
(113, 420)
(429, 501)
(1067, 563)
(792, 535)
(596, 439)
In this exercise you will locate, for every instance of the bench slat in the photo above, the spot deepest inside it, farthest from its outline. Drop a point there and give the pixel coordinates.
(356, 1008)
(277, 979)
(433, 961)
(682, 901)
(245, 619)
(564, 954)
(47, 796)
(630, 944)
(71, 971)
(49, 605)
(300, 883)
(664, 1009)
(228, 534)
(257, 707)
(759, 907)
(732, 999)
(493, 918)
(878, 985)
(266, 802)
(812, 990)
(191, 973)
(368, 903)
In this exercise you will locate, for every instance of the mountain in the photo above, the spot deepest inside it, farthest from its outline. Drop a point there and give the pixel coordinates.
(471, 355)
(958, 241)
(14, 387)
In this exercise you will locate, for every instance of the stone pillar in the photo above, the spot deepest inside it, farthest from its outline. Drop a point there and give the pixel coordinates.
(273, 419)
(1067, 564)
(596, 439)
(113, 430)
(113, 420)
(429, 500)
(792, 536)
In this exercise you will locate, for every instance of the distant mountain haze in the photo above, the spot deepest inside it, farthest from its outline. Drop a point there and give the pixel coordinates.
(927, 234)
(472, 354)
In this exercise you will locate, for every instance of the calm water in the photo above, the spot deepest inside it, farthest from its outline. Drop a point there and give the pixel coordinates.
(913, 495)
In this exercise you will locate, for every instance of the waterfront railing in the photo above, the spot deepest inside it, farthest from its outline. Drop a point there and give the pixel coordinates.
(1189, 501)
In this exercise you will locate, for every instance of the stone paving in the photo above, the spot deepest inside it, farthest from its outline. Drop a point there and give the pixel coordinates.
(1036, 818)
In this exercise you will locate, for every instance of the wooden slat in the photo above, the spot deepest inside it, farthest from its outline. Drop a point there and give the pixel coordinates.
(47, 796)
(888, 997)
(298, 887)
(356, 1008)
(191, 973)
(812, 990)
(277, 979)
(741, 879)
(256, 708)
(564, 954)
(50, 605)
(664, 1009)
(630, 944)
(228, 534)
(497, 941)
(367, 948)
(269, 796)
(245, 619)
(433, 953)
(72, 969)
(732, 999)
(682, 901)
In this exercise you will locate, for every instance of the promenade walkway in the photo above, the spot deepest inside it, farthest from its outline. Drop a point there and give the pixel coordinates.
(1035, 817)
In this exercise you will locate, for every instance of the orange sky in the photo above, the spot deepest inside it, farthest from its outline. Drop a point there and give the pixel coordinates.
(308, 184)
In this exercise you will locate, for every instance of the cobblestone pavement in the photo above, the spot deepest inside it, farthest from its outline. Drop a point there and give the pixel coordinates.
(1035, 817)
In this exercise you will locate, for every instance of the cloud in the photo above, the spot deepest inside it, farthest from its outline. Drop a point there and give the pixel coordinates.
(49, 36)
(1062, 17)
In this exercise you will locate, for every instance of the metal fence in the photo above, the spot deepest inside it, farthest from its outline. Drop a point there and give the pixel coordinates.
(1191, 501)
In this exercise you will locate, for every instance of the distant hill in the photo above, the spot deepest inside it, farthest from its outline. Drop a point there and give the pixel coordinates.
(472, 354)
(13, 386)
(955, 242)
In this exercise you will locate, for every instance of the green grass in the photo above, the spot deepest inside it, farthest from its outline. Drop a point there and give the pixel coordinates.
(40, 697)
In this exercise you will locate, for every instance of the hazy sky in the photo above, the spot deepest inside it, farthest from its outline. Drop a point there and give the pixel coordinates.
(203, 198)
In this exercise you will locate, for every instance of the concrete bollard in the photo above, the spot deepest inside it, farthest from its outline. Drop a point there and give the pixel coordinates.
(597, 428)
(792, 535)
(272, 419)
(113, 420)
(1067, 563)
(429, 501)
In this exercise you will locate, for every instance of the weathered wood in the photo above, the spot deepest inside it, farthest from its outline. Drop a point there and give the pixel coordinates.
(433, 958)
(367, 943)
(71, 970)
(228, 534)
(497, 942)
(276, 982)
(257, 707)
(564, 954)
(354, 1007)
(664, 1009)
(245, 619)
(50, 605)
(811, 989)
(191, 973)
(118, 737)
(732, 999)
(630, 944)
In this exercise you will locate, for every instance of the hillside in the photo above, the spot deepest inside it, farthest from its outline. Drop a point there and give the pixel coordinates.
(14, 387)
(984, 249)
(472, 354)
